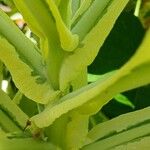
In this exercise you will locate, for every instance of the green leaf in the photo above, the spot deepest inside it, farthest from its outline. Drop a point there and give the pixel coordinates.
(68, 40)
(2, 134)
(115, 51)
(24, 62)
(17, 98)
(93, 77)
(88, 20)
(141, 143)
(66, 12)
(7, 124)
(22, 75)
(75, 6)
(25, 144)
(96, 119)
(95, 95)
(124, 100)
(90, 45)
(57, 2)
(41, 22)
(69, 102)
(28, 107)
(114, 108)
(16, 114)
(24, 47)
(83, 7)
(30, 10)
(120, 130)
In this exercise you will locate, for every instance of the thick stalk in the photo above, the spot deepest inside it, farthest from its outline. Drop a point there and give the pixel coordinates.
(62, 130)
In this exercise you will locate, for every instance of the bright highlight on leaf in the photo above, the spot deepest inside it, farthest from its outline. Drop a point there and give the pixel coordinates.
(124, 100)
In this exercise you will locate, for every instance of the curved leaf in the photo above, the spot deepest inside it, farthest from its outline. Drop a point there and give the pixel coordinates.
(68, 40)
(24, 47)
(85, 54)
(7, 124)
(24, 62)
(121, 130)
(66, 12)
(24, 77)
(40, 20)
(75, 6)
(37, 15)
(141, 143)
(83, 7)
(13, 110)
(67, 103)
(115, 52)
(95, 95)
(124, 100)
(118, 125)
(90, 18)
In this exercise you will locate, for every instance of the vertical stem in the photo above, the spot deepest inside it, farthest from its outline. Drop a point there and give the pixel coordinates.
(58, 132)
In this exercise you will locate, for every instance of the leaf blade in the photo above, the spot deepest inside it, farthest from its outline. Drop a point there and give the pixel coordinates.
(22, 75)
(92, 97)
(93, 41)
(68, 40)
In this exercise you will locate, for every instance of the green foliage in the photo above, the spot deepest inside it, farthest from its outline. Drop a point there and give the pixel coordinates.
(89, 52)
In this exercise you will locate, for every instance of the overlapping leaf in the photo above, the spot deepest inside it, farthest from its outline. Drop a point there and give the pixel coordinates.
(122, 130)
(91, 40)
(95, 95)
(24, 62)
(13, 110)
(40, 19)
(68, 40)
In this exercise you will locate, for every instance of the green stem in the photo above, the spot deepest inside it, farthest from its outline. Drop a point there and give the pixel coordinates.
(59, 131)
